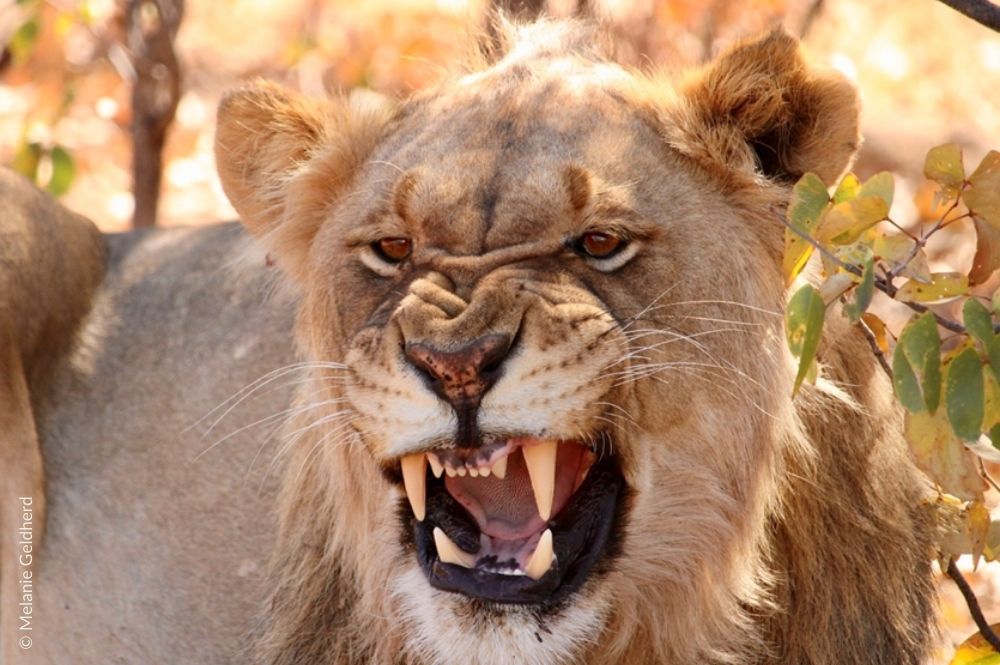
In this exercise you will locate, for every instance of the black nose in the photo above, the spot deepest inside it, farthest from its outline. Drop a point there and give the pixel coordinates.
(461, 377)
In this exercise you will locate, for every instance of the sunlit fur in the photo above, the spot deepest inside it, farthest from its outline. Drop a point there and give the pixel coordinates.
(756, 528)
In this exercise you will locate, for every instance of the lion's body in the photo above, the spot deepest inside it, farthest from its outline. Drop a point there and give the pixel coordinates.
(155, 548)
(752, 529)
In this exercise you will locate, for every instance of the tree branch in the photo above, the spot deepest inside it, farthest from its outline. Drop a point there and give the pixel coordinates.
(970, 599)
(983, 12)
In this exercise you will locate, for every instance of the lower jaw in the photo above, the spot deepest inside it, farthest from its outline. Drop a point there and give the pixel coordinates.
(586, 533)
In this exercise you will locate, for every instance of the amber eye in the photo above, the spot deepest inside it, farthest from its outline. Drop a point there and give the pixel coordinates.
(600, 245)
(393, 250)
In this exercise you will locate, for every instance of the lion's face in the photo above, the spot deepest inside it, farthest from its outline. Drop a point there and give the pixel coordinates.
(563, 354)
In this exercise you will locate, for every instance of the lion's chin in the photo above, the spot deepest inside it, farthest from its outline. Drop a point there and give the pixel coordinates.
(518, 521)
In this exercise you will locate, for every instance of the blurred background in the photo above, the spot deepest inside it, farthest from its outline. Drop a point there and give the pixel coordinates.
(84, 84)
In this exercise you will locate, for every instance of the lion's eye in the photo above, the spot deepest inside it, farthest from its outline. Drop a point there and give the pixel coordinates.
(600, 245)
(393, 250)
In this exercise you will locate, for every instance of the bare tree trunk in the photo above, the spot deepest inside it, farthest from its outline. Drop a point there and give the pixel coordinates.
(151, 28)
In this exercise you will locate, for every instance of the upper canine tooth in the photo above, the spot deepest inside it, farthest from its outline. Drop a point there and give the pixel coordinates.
(541, 462)
(415, 481)
(436, 467)
(499, 468)
(449, 552)
(541, 560)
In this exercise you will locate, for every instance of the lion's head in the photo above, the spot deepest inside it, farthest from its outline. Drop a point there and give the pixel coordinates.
(553, 288)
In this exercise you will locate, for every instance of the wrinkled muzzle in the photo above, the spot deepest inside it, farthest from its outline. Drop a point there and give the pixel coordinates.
(493, 415)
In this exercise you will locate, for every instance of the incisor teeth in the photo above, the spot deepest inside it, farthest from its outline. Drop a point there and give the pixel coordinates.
(484, 471)
(450, 471)
(462, 471)
(449, 552)
(415, 482)
(474, 471)
(541, 560)
(499, 468)
(436, 467)
(541, 462)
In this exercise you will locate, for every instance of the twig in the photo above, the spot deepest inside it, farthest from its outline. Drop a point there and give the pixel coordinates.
(876, 349)
(981, 11)
(970, 599)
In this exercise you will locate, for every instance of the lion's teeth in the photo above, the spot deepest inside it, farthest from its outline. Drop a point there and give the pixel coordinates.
(541, 462)
(450, 470)
(462, 471)
(436, 467)
(415, 482)
(499, 468)
(449, 552)
(484, 471)
(474, 471)
(542, 559)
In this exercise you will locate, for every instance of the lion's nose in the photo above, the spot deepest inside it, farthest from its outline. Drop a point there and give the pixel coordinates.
(461, 376)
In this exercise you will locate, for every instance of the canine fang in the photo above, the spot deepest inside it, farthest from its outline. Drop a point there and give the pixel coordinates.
(449, 552)
(541, 462)
(415, 481)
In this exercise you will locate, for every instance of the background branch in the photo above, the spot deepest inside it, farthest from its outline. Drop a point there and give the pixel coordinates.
(980, 11)
(970, 599)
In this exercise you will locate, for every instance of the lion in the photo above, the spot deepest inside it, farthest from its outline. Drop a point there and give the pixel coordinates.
(542, 411)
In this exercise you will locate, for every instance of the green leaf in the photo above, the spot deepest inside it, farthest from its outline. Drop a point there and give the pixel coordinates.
(804, 327)
(906, 384)
(944, 166)
(63, 171)
(943, 286)
(27, 159)
(880, 185)
(978, 321)
(809, 200)
(863, 293)
(847, 189)
(24, 40)
(964, 395)
(845, 222)
(983, 194)
(918, 353)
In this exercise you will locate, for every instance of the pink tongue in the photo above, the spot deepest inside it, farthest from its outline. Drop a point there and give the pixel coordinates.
(506, 508)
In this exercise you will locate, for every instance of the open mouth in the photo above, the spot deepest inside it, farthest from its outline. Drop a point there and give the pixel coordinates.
(518, 520)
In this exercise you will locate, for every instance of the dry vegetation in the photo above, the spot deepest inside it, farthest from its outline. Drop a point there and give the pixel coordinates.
(926, 74)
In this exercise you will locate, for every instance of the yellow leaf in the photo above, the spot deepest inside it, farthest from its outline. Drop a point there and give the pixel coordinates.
(844, 222)
(983, 194)
(940, 454)
(976, 651)
(943, 286)
(809, 200)
(944, 166)
(877, 326)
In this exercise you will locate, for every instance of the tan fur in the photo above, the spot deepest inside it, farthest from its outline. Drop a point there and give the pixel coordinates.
(756, 529)
(51, 262)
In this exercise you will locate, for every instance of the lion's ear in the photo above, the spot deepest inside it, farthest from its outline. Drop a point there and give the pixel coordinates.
(283, 158)
(761, 107)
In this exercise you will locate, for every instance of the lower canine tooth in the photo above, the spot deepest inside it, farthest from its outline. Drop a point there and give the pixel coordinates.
(542, 559)
(541, 462)
(415, 481)
(499, 468)
(436, 465)
(448, 551)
